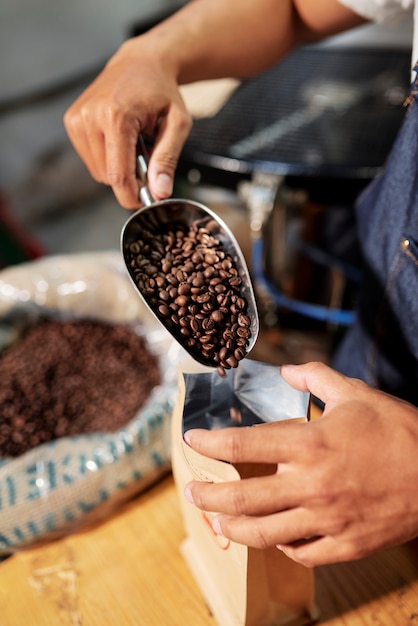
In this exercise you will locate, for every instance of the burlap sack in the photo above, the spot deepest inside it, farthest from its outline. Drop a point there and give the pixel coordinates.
(61, 486)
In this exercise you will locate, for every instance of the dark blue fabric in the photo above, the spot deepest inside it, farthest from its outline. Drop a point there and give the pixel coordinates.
(381, 347)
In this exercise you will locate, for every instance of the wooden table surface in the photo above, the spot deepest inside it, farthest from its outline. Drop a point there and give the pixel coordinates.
(128, 571)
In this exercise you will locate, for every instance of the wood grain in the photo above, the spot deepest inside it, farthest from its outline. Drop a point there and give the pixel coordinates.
(128, 571)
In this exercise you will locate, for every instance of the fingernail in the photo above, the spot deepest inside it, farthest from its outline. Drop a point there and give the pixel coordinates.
(188, 494)
(164, 185)
(186, 438)
(216, 526)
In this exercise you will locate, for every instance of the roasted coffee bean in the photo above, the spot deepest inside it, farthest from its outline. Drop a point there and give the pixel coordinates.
(164, 295)
(184, 289)
(232, 361)
(221, 370)
(223, 353)
(217, 316)
(194, 325)
(243, 320)
(163, 310)
(208, 324)
(70, 378)
(239, 354)
(182, 300)
(205, 308)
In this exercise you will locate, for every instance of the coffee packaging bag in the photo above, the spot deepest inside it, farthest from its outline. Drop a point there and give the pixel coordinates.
(242, 586)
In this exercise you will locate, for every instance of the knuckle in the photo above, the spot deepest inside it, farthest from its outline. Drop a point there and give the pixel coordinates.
(337, 525)
(323, 493)
(358, 551)
(72, 121)
(86, 114)
(357, 385)
(238, 499)
(314, 366)
(185, 123)
(167, 161)
(315, 439)
(120, 180)
(112, 116)
(354, 549)
(259, 538)
(115, 178)
(181, 120)
(198, 496)
(305, 558)
(233, 445)
(312, 446)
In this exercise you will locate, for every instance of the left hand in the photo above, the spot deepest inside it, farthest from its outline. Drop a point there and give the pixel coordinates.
(345, 484)
(136, 93)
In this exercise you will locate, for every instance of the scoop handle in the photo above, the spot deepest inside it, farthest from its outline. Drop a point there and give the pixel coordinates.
(144, 193)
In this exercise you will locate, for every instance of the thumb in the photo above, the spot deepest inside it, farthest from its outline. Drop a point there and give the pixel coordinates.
(161, 170)
(317, 378)
(166, 152)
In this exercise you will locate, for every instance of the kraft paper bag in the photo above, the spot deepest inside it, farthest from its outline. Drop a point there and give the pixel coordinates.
(242, 586)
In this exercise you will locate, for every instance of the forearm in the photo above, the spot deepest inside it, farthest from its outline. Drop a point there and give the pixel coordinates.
(218, 38)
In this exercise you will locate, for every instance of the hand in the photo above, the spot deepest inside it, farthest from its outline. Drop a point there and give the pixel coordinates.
(345, 483)
(135, 93)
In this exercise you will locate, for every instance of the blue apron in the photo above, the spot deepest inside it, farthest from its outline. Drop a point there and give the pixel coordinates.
(381, 347)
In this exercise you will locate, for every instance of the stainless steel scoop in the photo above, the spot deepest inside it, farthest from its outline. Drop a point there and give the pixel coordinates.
(154, 218)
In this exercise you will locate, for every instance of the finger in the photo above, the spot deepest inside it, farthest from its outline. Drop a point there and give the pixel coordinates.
(85, 129)
(94, 156)
(173, 132)
(252, 496)
(83, 142)
(273, 442)
(120, 148)
(283, 528)
(317, 378)
(320, 551)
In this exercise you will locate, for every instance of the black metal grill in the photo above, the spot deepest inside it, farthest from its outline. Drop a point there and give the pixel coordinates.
(329, 112)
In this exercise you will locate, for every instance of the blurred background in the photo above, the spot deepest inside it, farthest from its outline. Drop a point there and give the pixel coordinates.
(51, 50)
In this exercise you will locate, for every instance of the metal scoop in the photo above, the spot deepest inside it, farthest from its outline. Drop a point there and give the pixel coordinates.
(154, 218)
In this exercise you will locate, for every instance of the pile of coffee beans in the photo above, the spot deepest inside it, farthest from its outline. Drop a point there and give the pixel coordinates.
(70, 378)
(193, 285)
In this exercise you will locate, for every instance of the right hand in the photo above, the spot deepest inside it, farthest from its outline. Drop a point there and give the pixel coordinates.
(344, 485)
(135, 93)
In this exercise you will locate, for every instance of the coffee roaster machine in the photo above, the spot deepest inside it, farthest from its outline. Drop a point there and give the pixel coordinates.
(299, 143)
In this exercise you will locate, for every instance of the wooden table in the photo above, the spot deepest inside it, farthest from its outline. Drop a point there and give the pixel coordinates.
(128, 571)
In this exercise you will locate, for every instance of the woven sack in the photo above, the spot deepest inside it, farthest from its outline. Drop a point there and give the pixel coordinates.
(64, 485)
